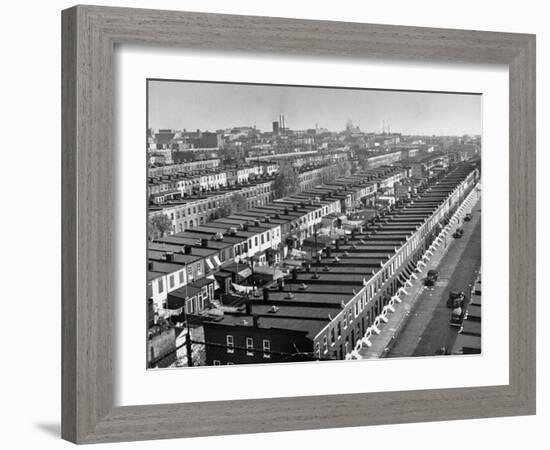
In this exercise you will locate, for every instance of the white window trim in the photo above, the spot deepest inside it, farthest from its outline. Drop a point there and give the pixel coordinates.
(249, 348)
(230, 342)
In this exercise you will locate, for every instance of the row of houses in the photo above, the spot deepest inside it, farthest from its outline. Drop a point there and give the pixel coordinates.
(187, 167)
(164, 186)
(224, 249)
(323, 309)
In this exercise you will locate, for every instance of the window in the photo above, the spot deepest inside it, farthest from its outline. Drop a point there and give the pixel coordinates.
(325, 345)
(332, 336)
(171, 281)
(181, 274)
(161, 286)
(318, 350)
(249, 346)
(216, 362)
(339, 329)
(198, 269)
(229, 343)
(188, 306)
(267, 348)
(350, 317)
(345, 321)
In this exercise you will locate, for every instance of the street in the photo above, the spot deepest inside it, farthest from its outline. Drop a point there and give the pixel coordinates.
(427, 329)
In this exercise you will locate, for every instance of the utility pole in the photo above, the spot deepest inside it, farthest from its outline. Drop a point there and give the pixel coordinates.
(189, 347)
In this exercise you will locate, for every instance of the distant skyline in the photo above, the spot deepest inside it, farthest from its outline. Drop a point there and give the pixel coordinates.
(212, 106)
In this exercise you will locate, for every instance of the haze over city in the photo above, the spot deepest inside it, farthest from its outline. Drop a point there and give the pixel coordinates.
(212, 106)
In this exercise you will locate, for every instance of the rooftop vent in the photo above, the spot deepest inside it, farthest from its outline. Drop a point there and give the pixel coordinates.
(273, 309)
(303, 286)
(326, 269)
(289, 296)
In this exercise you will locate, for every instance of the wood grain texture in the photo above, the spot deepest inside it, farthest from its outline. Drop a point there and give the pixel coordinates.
(89, 36)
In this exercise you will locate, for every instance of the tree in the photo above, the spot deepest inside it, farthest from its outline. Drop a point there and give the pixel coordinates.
(238, 203)
(286, 181)
(158, 226)
(223, 211)
(344, 168)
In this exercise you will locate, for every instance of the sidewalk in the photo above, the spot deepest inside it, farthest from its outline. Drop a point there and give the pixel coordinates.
(389, 331)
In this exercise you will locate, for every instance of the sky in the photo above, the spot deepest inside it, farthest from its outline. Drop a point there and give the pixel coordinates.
(212, 106)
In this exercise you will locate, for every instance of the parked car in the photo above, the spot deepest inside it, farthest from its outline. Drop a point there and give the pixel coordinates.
(458, 233)
(456, 299)
(431, 277)
(457, 317)
(468, 217)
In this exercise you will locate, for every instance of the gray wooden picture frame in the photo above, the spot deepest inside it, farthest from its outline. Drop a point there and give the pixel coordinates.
(89, 37)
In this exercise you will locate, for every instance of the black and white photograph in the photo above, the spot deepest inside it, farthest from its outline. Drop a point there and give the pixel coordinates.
(311, 224)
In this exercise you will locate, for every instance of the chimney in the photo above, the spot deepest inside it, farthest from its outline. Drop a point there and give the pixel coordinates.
(248, 308)
(337, 242)
(187, 249)
(308, 267)
(255, 320)
(329, 251)
(266, 295)
(149, 265)
(294, 274)
(204, 242)
(169, 256)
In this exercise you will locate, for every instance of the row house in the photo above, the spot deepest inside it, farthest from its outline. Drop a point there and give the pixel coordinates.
(332, 302)
(173, 266)
(183, 168)
(213, 180)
